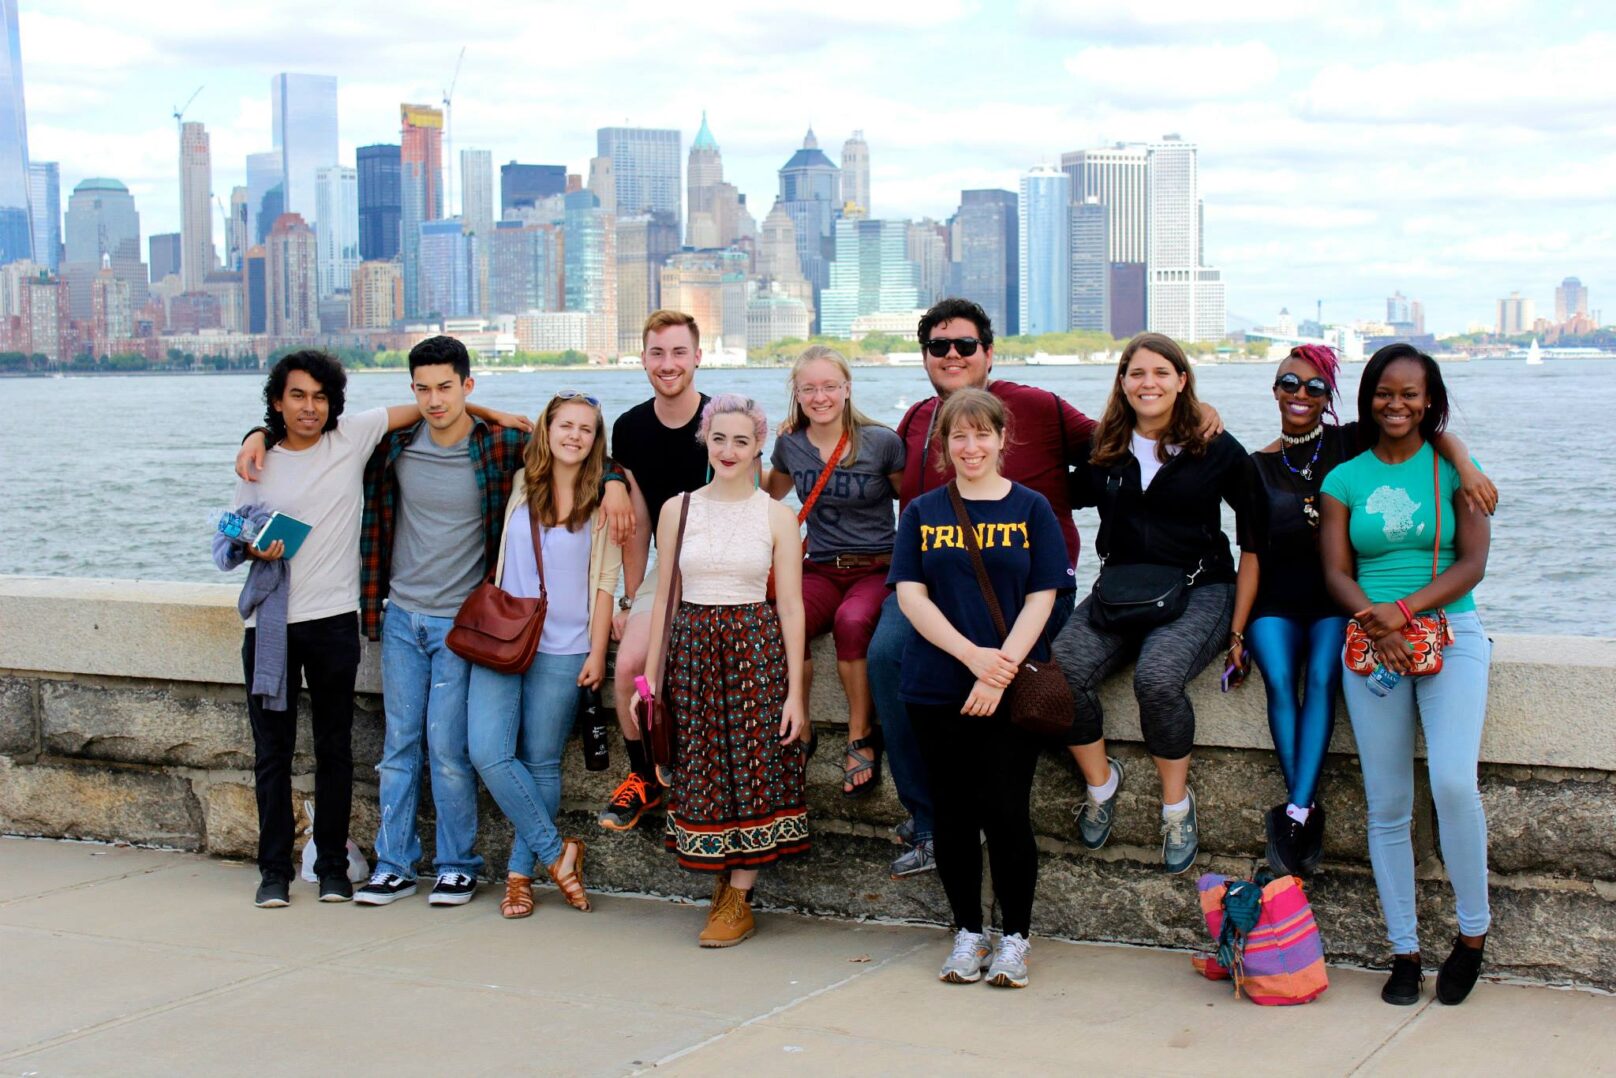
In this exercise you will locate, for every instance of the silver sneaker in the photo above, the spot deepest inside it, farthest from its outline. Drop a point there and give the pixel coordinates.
(965, 963)
(915, 860)
(1181, 838)
(1094, 818)
(1009, 968)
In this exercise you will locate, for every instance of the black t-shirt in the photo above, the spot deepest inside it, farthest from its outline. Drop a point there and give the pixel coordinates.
(666, 461)
(1283, 527)
(1023, 550)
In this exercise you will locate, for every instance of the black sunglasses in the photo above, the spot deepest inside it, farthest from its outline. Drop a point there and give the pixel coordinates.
(1290, 383)
(939, 346)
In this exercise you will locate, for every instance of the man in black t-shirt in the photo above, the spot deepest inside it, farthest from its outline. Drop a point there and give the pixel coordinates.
(655, 443)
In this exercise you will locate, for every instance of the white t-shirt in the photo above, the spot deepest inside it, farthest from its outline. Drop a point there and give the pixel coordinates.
(1144, 450)
(323, 486)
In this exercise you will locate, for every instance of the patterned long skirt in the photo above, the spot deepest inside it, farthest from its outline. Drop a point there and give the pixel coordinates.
(737, 796)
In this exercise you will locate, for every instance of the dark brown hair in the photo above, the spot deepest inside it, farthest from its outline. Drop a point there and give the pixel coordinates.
(1114, 435)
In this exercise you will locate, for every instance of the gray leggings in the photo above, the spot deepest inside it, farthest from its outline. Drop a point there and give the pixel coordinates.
(1169, 656)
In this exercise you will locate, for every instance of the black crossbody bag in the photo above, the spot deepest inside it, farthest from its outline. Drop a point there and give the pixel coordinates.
(1138, 597)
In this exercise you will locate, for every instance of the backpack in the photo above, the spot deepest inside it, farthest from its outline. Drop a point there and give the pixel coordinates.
(1267, 940)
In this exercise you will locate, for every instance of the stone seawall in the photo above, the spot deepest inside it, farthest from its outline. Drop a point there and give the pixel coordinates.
(121, 718)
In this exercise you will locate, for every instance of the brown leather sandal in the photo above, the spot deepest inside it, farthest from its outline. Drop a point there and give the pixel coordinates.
(518, 900)
(571, 885)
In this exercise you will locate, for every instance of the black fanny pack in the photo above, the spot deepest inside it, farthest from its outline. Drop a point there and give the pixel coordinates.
(1135, 598)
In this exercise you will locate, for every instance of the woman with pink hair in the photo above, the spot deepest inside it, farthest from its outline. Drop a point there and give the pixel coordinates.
(733, 679)
(1284, 619)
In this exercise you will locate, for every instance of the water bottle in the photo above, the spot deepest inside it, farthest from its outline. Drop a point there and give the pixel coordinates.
(1383, 679)
(234, 526)
(593, 731)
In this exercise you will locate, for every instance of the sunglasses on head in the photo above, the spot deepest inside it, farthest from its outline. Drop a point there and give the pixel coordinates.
(1290, 383)
(578, 394)
(938, 346)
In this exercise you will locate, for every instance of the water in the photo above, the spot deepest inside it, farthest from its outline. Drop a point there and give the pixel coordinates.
(116, 477)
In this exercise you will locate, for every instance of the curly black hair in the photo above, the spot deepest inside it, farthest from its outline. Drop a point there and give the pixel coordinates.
(955, 307)
(435, 350)
(323, 368)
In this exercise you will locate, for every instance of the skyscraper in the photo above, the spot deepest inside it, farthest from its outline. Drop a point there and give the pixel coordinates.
(856, 174)
(644, 242)
(710, 286)
(1570, 299)
(101, 220)
(379, 201)
(448, 267)
(164, 255)
(303, 112)
(777, 259)
(1516, 314)
(525, 185)
(987, 256)
(477, 210)
(589, 245)
(1118, 177)
(336, 201)
(927, 248)
(421, 188)
(197, 255)
(524, 267)
(1045, 298)
(1183, 298)
(255, 283)
(872, 274)
(45, 204)
(237, 238)
(645, 169)
(292, 304)
(377, 299)
(263, 176)
(16, 223)
(810, 187)
(704, 171)
(1090, 265)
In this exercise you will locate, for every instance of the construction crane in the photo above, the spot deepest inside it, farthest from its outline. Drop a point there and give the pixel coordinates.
(448, 138)
(179, 110)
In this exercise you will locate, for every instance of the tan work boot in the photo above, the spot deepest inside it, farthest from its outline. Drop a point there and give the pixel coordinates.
(720, 887)
(730, 920)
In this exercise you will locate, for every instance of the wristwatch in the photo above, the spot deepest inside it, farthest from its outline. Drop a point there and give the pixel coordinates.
(625, 602)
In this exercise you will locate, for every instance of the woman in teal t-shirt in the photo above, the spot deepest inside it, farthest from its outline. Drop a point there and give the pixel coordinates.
(1379, 528)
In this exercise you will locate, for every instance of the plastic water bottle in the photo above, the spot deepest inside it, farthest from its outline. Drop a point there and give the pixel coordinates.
(593, 731)
(236, 527)
(1383, 679)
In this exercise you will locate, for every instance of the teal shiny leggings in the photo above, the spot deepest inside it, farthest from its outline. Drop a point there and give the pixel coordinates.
(1301, 668)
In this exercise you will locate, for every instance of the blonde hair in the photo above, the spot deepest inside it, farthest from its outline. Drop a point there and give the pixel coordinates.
(538, 465)
(667, 319)
(976, 408)
(852, 418)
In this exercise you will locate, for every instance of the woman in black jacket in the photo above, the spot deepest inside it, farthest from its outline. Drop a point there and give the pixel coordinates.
(1166, 590)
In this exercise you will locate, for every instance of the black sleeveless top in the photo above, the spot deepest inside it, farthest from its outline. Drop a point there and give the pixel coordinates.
(1284, 527)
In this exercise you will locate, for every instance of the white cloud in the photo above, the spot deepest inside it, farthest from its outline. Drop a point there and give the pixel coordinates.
(1156, 74)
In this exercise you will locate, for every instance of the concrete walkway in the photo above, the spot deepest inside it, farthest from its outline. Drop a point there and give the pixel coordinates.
(133, 962)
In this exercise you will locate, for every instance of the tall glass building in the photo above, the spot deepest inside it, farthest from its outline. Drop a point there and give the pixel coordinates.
(872, 274)
(380, 201)
(525, 185)
(16, 223)
(448, 269)
(987, 256)
(336, 199)
(45, 205)
(304, 118)
(646, 164)
(102, 220)
(1046, 260)
(811, 188)
(263, 177)
(420, 190)
(1091, 266)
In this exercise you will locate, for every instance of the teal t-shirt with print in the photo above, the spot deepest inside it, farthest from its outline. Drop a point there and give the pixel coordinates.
(1393, 522)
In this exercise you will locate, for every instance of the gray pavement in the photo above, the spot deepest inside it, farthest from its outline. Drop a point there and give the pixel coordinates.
(124, 961)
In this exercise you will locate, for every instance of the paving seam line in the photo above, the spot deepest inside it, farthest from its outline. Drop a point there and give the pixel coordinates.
(1394, 1036)
(82, 884)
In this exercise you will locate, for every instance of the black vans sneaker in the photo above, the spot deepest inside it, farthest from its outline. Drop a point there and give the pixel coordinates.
(383, 888)
(273, 893)
(453, 889)
(1403, 986)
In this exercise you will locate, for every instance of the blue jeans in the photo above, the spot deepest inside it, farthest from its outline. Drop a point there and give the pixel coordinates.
(424, 694)
(892, 636)
(519, 726)
(1301, 720)
(1450, 708)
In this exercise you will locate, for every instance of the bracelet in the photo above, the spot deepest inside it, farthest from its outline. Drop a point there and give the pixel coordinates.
(1238, 635)
(1408, 615)
(613, 477)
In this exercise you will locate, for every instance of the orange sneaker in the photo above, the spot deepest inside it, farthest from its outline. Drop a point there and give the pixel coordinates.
(629, 801)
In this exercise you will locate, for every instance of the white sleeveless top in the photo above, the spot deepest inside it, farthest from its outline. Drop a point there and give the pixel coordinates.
(728, 550)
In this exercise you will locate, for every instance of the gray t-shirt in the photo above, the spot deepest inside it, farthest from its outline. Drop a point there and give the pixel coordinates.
(854, 513)
(438, 534)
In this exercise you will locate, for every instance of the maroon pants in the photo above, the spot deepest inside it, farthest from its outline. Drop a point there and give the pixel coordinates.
(846, 602)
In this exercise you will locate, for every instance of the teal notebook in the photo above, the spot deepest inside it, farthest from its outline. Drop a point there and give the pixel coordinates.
(287, 529)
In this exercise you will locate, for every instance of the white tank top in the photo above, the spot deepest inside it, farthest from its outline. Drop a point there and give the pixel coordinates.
(728, 550)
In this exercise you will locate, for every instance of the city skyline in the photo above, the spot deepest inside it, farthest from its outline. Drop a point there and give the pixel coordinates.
(1339, 176)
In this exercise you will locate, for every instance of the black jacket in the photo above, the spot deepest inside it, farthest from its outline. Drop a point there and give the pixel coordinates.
(1178, 521)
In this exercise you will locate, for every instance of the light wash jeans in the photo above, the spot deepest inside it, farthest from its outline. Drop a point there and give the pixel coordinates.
(1449, 707)
(424, 695)
(519, 726)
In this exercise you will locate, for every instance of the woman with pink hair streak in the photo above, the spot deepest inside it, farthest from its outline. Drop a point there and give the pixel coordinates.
(734, 675)
(1283, 617)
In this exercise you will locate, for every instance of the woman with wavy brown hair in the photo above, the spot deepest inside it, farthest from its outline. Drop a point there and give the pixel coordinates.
(1166, 588)
(518, 723)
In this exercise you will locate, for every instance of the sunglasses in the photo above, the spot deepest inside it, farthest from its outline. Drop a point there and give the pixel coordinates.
(938, 346)
(1290, 383)
(578, 394)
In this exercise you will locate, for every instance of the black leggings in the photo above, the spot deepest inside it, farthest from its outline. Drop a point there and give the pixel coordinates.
(981, 780)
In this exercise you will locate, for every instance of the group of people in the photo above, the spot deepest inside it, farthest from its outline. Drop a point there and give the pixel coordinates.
(677, 546)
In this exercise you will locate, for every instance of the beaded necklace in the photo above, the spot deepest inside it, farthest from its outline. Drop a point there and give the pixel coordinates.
(1306, 470)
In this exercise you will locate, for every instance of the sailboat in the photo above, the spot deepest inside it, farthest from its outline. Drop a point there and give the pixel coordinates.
(1534, 355)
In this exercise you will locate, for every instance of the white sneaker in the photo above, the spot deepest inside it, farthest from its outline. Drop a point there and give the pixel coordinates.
(965, 963)
(1009, 969)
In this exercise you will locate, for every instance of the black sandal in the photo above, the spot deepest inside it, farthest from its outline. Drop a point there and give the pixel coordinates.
(873, 743)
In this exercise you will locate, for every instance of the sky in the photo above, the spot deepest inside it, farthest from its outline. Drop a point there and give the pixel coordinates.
(1455, 151)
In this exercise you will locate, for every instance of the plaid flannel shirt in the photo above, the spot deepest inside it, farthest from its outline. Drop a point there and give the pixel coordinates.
(496, 454)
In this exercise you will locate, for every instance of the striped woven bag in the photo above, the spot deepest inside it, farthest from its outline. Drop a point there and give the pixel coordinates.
(1275, 958)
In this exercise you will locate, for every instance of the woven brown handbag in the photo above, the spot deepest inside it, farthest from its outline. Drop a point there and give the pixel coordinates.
(496, 629)
(1039, 698)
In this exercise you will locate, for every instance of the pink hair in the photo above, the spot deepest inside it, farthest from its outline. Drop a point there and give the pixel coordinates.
(1324, 358)
(733, 404)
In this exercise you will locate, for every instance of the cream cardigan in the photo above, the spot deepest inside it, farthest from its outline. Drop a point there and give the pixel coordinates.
(605, 556)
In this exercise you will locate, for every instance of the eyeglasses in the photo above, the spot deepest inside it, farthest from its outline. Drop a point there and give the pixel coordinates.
(938, 346)
(1291, 383)
(578, 394)
(807, 392)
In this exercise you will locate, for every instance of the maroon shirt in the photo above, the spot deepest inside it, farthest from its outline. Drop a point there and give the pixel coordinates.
(1038, 456)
